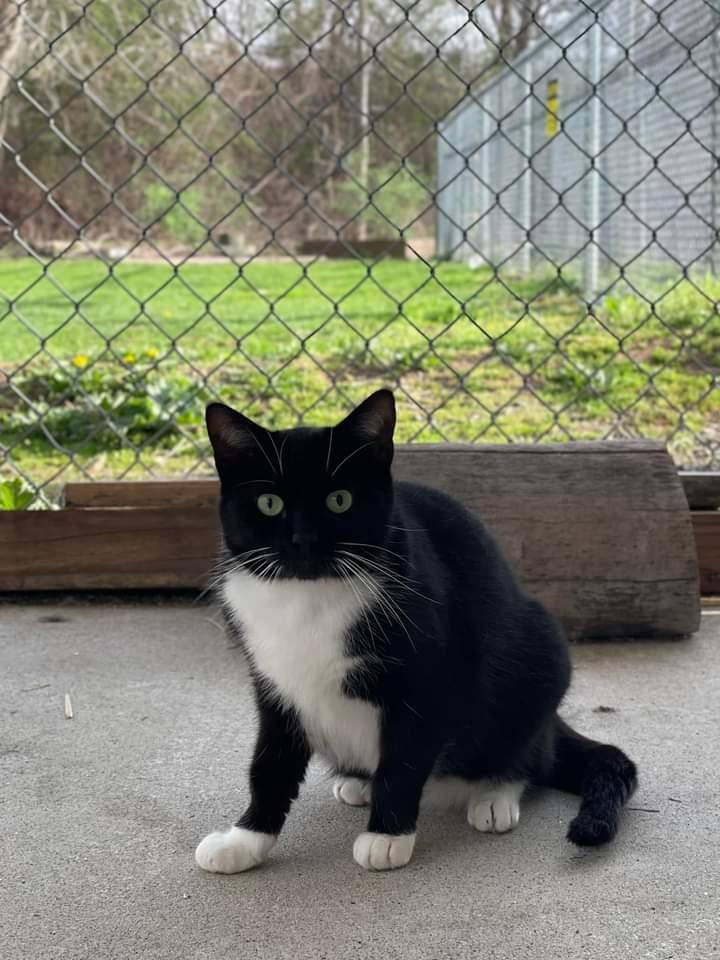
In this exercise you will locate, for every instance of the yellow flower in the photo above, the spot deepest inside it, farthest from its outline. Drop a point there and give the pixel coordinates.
(129, 358)
(80, 360)
(151, 353)
(167, 314)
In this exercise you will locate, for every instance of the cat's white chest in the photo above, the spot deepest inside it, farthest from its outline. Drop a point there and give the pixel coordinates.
(295, 633)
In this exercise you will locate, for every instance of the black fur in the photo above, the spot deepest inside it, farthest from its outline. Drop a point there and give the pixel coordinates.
(278, 767)
(468, 671)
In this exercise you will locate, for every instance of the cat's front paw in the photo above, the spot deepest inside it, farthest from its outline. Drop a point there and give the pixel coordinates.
(381, 851)
(233, 851)
(496, 811)
(353, 791)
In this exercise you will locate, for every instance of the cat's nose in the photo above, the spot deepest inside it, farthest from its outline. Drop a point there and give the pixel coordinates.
(304, 538)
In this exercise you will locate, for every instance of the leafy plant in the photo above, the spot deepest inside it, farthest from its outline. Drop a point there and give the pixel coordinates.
(15, 495)
(394, 198)
(104, 406)
(175, 213)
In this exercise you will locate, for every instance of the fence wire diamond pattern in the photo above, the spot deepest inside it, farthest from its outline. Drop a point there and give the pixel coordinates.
(506, 210)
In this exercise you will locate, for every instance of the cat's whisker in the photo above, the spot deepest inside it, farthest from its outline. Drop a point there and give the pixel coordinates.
(386, 596)
(272, 441)
(391, 526)
(327, 461)
(264, 451)
(252, 562)
(337, 566)
(378, 549)
(241, 560)
(347, 578)
(248, 561)
(216, 576)
(232, 564)
(210, 588)
(269, 565)
(399, 579)
(245, 483)
(259, 558)
(385, 571)
(282, 447)
(362, 446)
(384, 600)
(371, 546)
(347, 575)
(235, 557)
(249, 553)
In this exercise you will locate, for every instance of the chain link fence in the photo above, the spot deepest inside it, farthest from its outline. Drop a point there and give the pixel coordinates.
(505, 210)
(592, 156)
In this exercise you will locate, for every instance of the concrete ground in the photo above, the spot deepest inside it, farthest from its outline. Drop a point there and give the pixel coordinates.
(100, 814)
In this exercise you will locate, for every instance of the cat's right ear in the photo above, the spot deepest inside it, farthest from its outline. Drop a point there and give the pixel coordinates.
(232, 435)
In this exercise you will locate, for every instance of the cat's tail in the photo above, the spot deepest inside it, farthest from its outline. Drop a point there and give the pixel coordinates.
(603, 777)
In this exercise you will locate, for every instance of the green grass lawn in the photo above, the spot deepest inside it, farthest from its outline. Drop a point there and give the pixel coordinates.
(118, 364)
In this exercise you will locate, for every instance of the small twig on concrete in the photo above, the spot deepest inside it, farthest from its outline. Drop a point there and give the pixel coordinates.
(68, 707)
(644, 809)
(674, 800)
(38, 686)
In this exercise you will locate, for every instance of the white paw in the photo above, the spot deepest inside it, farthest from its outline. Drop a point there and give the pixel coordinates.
(353, 791)
(380, 851)
(235, 850)
(496, 810)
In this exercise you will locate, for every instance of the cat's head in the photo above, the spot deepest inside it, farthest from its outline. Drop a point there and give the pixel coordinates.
(295, 503)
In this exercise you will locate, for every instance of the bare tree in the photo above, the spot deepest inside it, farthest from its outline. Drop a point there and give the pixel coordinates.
(516, 23)
(11, 38)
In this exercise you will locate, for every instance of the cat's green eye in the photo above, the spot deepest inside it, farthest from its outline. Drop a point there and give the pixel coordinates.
(270, 504)
(339, 501)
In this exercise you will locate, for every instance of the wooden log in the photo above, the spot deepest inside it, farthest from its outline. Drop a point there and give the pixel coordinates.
(706, 525)
(702, 489)
(107, 548)
(599, 532)
(198, 492)
(364, 249)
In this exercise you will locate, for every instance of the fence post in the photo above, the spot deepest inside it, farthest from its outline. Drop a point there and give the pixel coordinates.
(714, 257)
(593, 199)
(527, 180)
(485, 173)
(441, 223)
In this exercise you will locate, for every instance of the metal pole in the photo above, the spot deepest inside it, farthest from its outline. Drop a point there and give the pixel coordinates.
(365, 115)
(485, 233)
(527, 217)
(593, 206)
(713, 259)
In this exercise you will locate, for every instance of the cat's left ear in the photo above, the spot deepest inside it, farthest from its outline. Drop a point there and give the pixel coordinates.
(233, 436)
(373, 423)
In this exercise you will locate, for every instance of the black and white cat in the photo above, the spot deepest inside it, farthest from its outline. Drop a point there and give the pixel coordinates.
(385, 632)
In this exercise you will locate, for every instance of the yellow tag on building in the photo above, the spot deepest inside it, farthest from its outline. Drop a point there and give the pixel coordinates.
(552, 120)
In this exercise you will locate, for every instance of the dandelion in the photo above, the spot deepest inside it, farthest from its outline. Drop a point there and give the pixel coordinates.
(129, 357)
(151, 353)
(80, 360)
(167, 314)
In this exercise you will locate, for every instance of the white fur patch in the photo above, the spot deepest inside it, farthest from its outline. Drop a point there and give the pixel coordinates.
(381, 851)
(295, 633)
(353, 791)
(497, 809)
(234, 851)
(452, 791)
